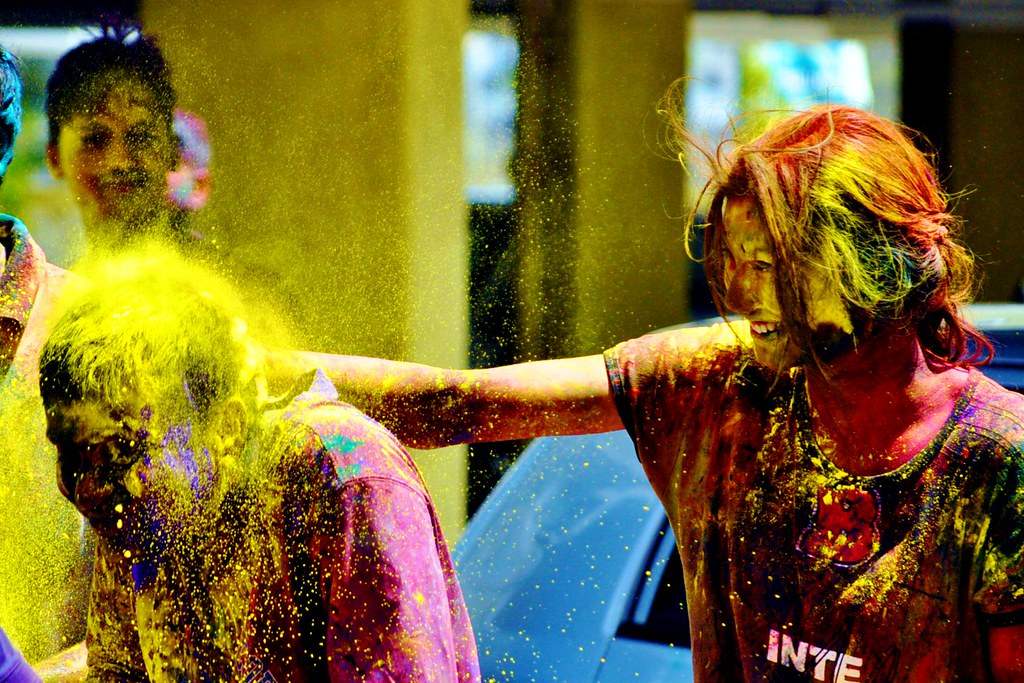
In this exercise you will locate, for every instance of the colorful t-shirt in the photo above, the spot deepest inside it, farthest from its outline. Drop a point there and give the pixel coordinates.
(328, 564)
(42, 554)
(798, 571)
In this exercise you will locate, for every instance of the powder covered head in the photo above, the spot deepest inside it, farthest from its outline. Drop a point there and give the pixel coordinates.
(148, 379)
(858, 233)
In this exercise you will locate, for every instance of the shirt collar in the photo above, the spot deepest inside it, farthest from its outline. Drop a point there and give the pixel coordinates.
(309, 389)
(320, 389)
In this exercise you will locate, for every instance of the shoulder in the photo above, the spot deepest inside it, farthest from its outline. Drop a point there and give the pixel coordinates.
(344, 444)
(683, 340)
(681, 357)
(685, 344)
(27, 261)
(989, 433)
(995, 413)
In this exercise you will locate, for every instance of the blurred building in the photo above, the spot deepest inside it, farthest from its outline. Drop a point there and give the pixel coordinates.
(482, 182)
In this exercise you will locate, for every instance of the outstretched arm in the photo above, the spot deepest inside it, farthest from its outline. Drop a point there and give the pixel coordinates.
(428, 407)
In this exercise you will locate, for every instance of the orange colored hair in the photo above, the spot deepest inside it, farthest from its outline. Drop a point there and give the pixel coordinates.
(847, 191)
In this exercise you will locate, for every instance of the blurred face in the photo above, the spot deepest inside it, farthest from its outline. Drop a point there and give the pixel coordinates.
(99, 450)
(749, 274)
(116, 159)
(133, 480)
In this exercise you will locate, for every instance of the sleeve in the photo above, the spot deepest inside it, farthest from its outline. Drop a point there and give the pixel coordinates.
(384, 588)
(112, 640)
(658, 380)
(1000, 595)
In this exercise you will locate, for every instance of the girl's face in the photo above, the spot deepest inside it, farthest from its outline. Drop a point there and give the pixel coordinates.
(749, 278)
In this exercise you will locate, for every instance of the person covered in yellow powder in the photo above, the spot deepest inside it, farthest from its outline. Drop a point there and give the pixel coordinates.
(110, 106)
(845, 487)
(114, 138)
(242, 537)
(41, 552)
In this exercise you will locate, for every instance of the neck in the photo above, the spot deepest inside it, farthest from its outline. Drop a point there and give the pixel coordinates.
(112, 234)
(879, 405)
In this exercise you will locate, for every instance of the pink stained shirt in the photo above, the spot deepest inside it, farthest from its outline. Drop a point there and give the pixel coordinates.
(796, 570)
(341, 573)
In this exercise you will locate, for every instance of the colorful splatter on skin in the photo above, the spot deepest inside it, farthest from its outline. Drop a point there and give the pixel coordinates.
(845, 489)
(296, 544)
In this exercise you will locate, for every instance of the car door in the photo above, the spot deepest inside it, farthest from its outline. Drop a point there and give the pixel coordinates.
(551, 564)
(652, 639)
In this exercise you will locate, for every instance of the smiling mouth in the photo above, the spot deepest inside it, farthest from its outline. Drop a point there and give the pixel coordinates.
(764, 330)
(123, 187)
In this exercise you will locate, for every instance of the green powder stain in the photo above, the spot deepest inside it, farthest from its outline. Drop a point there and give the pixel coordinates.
(341, 444)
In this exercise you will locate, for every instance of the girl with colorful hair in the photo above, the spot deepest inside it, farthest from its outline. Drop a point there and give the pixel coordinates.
(843, 483)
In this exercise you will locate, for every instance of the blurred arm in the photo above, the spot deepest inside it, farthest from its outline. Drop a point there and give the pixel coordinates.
(428, 407)
(13, 667)
(64, 667)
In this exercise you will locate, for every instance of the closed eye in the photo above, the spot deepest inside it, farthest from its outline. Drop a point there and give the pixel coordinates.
(96, 139)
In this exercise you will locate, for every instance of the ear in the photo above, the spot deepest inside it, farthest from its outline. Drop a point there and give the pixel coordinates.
(174, 158)
(53, 160)
(231, 425)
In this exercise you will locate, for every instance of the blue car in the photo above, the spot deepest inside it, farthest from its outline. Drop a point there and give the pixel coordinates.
(569, 568)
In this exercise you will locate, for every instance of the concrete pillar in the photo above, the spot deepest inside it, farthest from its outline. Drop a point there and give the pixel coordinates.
(987, 151)
(632, 262)
(337, 137)
(603, 257)
(960, 88)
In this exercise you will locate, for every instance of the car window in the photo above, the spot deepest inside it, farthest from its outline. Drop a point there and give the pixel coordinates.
(658, 611)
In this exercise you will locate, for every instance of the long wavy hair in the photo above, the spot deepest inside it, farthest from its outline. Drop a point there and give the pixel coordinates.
(847, 192)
